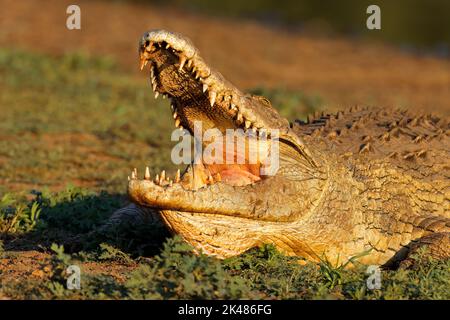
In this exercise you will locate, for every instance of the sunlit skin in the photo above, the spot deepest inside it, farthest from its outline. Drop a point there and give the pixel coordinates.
(359, 181)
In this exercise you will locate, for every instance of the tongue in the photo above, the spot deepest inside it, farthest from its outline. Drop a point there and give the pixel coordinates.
(238, 177)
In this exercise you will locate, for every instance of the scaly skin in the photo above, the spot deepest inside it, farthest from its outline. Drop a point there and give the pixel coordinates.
(362, 179)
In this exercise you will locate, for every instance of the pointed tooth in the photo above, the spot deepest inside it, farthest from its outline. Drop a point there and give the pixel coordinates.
(164, 95)
(177, 176)
(167, 46)
(247, 124)
(147, 174)
(163, 175)
(170, 183)
(182, 62)
(156, 94)
(212, 97)
(173, 108)
(205, 87)
(218, 177)
(189, 63)
(175, 115)
(154, 88)
(157, 179)
(143, 63)
(129, 178)
(177, 122)
(150, 46)
(262, 132)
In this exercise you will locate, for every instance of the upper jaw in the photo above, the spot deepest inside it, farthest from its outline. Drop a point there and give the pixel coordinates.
(246, 111)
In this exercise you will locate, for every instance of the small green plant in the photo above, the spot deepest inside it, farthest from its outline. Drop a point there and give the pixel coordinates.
(110, 253)
(332, 273)
(59, 262)
(19, 218)
(57, 267)
(178, 273)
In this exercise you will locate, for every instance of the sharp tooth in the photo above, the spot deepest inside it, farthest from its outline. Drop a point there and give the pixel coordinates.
(152, 72)
(177, 122)
(150, 47)
(262, 132)
(129, 178)
(173, 108)
(212, 97)
(177, 176)
(147, 173)
(239, 117)
(156, 94)
(233, 106)
(143, 63)
(182, 62)
(205, 87)
(170, 183)
(167, 46)
(154, 88)
(163, 175)
(175, 115)
(247, 124)
(181, 128)
(157, 179)
(164, 95)
(218, 177)
(189, 63)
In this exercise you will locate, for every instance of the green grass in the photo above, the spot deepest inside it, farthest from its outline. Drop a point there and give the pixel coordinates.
(78, 120)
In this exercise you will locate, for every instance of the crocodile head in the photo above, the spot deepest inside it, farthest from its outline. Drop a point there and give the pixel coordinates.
(222, 201)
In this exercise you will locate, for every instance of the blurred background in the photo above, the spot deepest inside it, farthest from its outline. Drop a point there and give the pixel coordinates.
(74, 107)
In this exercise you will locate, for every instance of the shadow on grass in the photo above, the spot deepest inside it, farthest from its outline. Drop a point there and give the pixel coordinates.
(78, 220)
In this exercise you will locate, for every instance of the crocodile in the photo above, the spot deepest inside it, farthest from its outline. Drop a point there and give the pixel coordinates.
(366, 180)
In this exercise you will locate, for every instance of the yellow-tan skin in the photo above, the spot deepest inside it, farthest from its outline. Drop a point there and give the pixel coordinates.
(363, 180)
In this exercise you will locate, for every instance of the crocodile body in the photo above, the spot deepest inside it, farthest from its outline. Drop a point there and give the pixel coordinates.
(364, 180)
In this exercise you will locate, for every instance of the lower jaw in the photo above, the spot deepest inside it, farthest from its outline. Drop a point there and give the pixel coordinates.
(225, 236)
(216, 235)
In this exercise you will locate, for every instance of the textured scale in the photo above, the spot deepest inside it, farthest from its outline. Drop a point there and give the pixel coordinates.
(362, 180)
